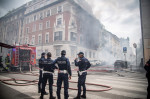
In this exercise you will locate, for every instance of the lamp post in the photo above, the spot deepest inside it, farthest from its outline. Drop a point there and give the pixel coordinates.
(135, 46)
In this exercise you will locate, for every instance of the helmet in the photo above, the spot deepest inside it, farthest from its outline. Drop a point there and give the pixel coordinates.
(63, 52)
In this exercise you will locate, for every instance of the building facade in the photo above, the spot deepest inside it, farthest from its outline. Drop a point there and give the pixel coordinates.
(55, 25)
(145, 25)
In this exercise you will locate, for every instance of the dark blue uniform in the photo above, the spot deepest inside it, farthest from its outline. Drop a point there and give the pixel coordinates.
(48, 70)
(83, 65)
(41, 61)
(63, 64)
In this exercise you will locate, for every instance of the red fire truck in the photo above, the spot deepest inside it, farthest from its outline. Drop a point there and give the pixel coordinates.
(23, 56)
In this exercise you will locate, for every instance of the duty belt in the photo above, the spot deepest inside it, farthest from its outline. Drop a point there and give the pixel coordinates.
(41, 69)
(48, 72)
(81, 72)
(63, 71)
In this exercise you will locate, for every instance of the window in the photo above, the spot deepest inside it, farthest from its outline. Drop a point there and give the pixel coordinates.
(85, 54)
(35, 17)
(93, 55)
(59, 21)
(46, 37)
(73, 23)
(58, 36)
(47, 24)
(26, 40)
(58, 51)
(59, 9)
(90, 54)
(34, 28)
(33, 40)
(40, 26)
(40, 39)
(27, 30)
(46, 50)
(48, 13)
(73, 52)
(73, 36)
(41, 16)
(27, 20)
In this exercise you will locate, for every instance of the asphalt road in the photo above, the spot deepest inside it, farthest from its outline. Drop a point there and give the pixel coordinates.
(125, 85)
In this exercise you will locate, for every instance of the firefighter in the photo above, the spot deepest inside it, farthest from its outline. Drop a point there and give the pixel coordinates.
(41, 61)
(48, 70)
(64, 70)
(83, 64)
(147, 68)
(1, 62)
(7, 62)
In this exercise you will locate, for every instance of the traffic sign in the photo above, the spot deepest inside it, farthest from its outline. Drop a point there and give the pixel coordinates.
(124, 49)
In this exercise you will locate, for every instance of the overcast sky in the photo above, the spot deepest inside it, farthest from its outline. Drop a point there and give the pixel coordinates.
(121, 17)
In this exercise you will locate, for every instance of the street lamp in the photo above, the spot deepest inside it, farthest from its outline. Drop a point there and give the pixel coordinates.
(135, 46)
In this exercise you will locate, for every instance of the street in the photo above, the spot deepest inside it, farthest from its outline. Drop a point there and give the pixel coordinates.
(125, 85)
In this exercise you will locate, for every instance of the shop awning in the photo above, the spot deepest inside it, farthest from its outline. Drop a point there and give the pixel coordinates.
(6, 45)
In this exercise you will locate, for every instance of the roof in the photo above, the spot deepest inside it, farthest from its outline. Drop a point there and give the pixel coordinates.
(6, 45)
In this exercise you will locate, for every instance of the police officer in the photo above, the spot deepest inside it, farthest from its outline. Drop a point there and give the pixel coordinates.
(48, 70)
(63, 70)
(83, 65)
(41, 62)
(147, 68)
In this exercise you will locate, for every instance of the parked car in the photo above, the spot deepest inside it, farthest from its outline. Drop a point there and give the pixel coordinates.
(95, 62)
(120, 64)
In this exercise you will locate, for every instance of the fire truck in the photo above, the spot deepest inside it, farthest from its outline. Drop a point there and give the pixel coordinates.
(23, 56)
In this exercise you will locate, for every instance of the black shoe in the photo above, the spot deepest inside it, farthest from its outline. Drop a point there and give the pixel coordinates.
(77, 97)
(41, 97)
(52, 97)
(39, 90)
(83, 96)
(45, 93)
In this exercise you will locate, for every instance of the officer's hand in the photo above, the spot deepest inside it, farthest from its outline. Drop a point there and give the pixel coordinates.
(58, 71)
(69, 77)
(76, 58)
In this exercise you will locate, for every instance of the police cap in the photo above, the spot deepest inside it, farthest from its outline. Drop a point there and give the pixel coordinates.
(80, 53)
(63, 52)
(43, 54)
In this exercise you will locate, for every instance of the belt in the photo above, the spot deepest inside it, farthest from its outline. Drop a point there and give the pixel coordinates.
(41, 69)
(81, 72)
(63, 71)
(48, 72)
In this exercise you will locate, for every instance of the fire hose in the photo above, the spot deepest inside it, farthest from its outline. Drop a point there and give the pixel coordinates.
(34, 82)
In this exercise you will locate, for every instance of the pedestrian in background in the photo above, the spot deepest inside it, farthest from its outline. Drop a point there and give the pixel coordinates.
(7, 62)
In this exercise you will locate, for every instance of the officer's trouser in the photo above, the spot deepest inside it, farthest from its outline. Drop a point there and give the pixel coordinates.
(49, 77)
(40, 79)
(81, 82)
(62, 77)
